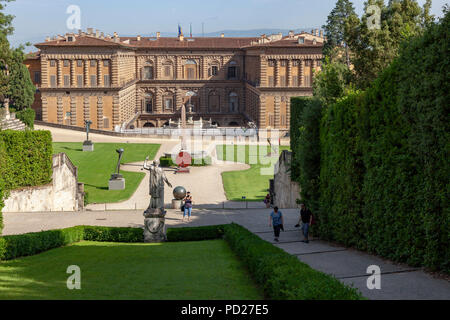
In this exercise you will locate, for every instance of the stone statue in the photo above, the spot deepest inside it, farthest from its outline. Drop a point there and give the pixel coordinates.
(120, 152)
(154, 223)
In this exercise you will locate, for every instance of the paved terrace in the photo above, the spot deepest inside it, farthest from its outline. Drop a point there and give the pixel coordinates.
(349, 266)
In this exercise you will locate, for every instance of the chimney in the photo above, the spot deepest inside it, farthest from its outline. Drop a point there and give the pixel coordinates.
(47, 39)
(102, 35)
(222, 35)
(291, 34)
(317, 32)
(158, 35)
(181, 37)
(80, 31)
(138, 38)
(312, 31)
(97, 33)
(90, 31)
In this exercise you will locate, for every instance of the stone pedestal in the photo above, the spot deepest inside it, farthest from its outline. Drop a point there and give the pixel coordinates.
(88, 146)
(155, 225)
(176, 204)
(117, 182)
(183, 170)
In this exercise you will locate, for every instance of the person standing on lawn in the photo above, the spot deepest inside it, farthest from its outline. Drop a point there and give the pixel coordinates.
(306, 218)
(276, 220)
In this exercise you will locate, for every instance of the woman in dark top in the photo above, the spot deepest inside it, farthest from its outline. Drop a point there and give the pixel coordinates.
(276, 221)
(188, 206)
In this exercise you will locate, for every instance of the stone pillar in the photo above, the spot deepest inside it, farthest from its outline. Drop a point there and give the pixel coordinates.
(178, 68)
(277, 113)
(99, 73)
(288, 112)
(289, 73)
(86, 110)
(262, 114)
(100, 112)
(73, 77)
(277, 73)
(59, 110)
(116, 111)
(86, 73)
(73, 110)
(159, 101)
(44, 73)
(204, 100)
(178, 98)
(263, 72)
(302, 73)
(114, 71)
(158, 71)
(44, 109)
(59, 73)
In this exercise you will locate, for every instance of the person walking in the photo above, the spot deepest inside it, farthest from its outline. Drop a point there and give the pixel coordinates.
(276, 220)
(306, 218)
(188, 206)
(267, 201)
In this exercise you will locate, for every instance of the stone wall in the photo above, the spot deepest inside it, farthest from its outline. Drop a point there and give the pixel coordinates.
(285, 192)
(62, 194)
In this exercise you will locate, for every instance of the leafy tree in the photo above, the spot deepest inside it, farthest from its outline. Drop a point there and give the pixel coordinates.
(332, 82)
(374, 48)
(21, 89)
(336, 47)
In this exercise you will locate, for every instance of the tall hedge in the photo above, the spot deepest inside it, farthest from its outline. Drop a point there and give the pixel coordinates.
(305, 146)
(27, 116)
(385, 159)
(25, 160)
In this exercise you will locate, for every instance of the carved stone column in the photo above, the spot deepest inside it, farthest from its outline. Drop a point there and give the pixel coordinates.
(44, 74)
(73, 110)
(116, 111)
(277, 73)
(178, 98)
(86, 111)
(262, 115)
(59, 73)
(44, 109)
(263, 72)
(86, 72)
(288, 112)
(178, 68)
(73, 77)
(302, 73)
(114, 71)
(159, 101)
(99, 73)
(100, 112)
(277, 113)
(289, 73)
(59, 110)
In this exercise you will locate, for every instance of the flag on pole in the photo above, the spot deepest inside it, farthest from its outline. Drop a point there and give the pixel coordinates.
(180, 32)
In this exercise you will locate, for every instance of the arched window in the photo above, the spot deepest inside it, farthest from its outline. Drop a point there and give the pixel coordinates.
(168, 103)
(167, 68)
(213, 102)
(190, 69)
(234, 102)
(149, 125)
(148, 103)
(233, 71)
(147, 71)
(213, 69)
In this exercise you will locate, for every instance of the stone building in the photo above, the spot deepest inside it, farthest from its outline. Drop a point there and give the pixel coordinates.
(134, 82)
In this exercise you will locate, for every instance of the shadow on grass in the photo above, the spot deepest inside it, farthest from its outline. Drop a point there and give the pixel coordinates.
(72, 149)
(96, 187)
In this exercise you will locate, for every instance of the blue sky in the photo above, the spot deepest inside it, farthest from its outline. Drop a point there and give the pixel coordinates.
(36, 19)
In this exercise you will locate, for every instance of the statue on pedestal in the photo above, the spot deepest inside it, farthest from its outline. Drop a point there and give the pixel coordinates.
(154, 223)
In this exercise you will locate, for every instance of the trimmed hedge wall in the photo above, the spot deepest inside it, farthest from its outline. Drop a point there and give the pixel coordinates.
(385, 159)
(25, 160)
(195, 233)
(168, 162)
(305, 145)
(281, 275)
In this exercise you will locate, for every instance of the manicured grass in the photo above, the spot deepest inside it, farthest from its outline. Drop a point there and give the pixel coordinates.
(206, 270)
(95, 168)
(251, 183)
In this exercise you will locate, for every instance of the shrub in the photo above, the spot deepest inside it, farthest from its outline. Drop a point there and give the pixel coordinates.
(27, 116)
(281, 275)
(168, 162)
(109, 234)
(195, 234)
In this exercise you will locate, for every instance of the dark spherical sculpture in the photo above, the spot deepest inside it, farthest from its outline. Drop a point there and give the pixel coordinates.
(179, 193)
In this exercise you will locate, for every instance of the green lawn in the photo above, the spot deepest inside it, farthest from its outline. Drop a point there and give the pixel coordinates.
(95, 168)
(251, 183)
(206, 270)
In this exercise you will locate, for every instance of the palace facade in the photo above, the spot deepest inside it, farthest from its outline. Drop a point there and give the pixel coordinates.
(133, 82)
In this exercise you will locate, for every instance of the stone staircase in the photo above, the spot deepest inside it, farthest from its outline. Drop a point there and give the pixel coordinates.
(12, 124)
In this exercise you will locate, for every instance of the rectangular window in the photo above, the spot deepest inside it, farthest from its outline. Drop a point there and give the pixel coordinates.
(93, 63)
(79, 63)
(106, 63)
(80, 81)
(52, 63)
(168, 103)
(271, 63)
(106, 80)
(214, 70)
(105, 123)
(66, 81)
(37, 77)
(295, 81)
(283, 81)
(66, 63)
(190, 73)
(53, 81)
(148, 73)
(271, 82)
(167, 71)
(271, 120)
(307, 63)
(283, 63)
(232, 74)
(295, 63)
(93, 80)
(283, 120)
